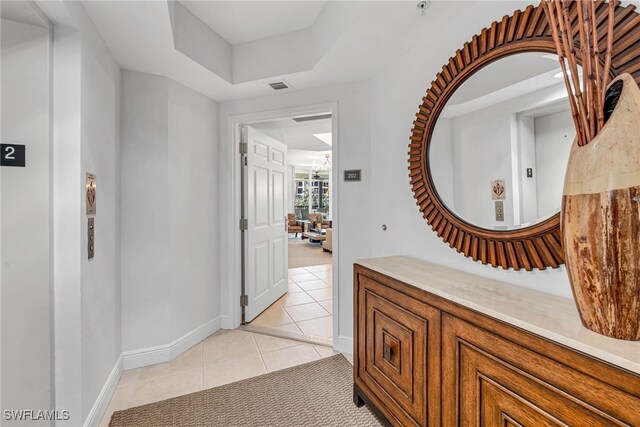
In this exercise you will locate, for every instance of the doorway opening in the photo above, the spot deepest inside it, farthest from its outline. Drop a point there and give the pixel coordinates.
(288, 208)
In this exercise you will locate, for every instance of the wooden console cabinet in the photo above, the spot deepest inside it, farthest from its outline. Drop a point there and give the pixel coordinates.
(422, 359)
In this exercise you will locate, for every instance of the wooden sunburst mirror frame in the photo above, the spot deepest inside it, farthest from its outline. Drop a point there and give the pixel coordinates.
(537, 246)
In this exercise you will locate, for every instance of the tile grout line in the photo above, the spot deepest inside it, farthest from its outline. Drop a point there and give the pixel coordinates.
(297, 343)
(311, 318)
(136, 381)
(317, 302)
(314, 318)
(259, 352)
(306, 293)
(317, 352)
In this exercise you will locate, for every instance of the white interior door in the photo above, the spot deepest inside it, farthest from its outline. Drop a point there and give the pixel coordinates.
(266, 242)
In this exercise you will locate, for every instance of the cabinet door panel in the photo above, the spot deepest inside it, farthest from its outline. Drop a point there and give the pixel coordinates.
(398, 347)
(489, 381)
(500, 406)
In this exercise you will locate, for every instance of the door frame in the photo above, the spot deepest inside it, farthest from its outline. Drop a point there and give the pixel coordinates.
(230, 242)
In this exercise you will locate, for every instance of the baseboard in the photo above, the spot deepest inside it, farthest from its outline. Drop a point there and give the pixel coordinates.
(145, 357)
(226, 322)
(102, 402)
(164, 353)
(343, 344)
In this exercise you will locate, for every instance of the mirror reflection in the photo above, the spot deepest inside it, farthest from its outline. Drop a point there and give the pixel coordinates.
(499, 150)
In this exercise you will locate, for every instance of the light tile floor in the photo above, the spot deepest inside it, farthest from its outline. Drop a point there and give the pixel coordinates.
(224, 357)
(307, 308)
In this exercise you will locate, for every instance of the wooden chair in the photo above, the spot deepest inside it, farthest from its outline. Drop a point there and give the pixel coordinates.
(292, 224)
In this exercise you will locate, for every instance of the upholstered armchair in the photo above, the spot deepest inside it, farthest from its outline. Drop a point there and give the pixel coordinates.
(315, 218)
(292, 224)
(318, 222)
(328, 243)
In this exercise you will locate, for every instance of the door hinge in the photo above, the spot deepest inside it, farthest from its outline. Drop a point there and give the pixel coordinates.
(243, 148)
(244, 224)
(244, 300)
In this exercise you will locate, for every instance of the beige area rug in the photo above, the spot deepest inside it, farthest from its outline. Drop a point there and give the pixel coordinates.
(318, 394)
(304, 254)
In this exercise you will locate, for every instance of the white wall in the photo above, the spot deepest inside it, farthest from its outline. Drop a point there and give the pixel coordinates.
(26, 315)
(291, 188)
(67, 219)
(495, 142)
(554, 136)
(144, 214)
(395, 95)
(169, 215)
(193, 209)
(101, 299)
(87, 300)
(526, 158)
(354, 204)
(61, 97)
(481, 145)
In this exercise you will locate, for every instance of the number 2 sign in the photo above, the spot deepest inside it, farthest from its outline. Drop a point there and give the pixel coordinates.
(12, 155)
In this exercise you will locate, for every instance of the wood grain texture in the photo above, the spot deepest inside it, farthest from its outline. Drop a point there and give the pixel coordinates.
(488, 377)
(603, 260)
(577, 361)
(601, 222)
(492, 373)
(408, 371)
(523, 31)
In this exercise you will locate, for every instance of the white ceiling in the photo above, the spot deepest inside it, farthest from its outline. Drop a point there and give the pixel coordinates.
(502, 80)
(505, 72)
(348, 41)
(303, 149)
(308, 45)
(311, 159)
(297, 135)
(244, 21)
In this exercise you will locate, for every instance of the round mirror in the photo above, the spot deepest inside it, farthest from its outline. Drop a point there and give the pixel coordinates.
(499, 148)
(489, 142)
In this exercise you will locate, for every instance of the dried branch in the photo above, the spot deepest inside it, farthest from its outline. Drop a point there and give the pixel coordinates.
(568, 38)
(583, 25)
(607, 58)
(586, 98)
(549, 10)
(595, 58)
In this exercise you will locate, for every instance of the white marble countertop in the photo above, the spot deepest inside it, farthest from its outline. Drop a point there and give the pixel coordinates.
(546, 315)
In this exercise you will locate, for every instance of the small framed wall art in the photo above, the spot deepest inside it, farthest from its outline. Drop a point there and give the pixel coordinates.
(91, 194)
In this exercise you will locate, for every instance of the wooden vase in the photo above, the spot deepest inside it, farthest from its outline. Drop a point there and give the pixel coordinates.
(600, 221)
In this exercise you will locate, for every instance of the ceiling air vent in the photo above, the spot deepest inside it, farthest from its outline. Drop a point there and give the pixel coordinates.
(279, 85)
(310, 118)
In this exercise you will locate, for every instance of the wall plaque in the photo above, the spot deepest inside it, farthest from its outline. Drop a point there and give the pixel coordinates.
(352, 175)
(91, 194)
(498, 190)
